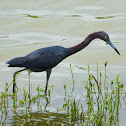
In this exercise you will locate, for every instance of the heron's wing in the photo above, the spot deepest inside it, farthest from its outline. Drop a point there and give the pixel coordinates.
(44, 62)
(37, 61)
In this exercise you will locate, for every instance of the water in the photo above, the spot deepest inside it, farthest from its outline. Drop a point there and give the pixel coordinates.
(29, 24)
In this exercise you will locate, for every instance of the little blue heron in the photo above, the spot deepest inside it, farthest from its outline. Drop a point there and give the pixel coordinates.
(45, 59)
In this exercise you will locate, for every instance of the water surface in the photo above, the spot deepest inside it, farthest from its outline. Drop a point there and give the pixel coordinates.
(28, 25)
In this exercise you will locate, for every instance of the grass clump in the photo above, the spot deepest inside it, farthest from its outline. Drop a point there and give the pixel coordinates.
(102, 102)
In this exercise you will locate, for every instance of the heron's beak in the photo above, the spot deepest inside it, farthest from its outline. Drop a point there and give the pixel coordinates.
(110, 43)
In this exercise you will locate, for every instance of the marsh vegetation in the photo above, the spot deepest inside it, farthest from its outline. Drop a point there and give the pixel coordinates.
(99, 105)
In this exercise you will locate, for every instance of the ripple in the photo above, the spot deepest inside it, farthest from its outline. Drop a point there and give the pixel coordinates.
(20, 39)
(75, 16)
(90, 8)
(105, 17)
(34, 16)
(113, 16)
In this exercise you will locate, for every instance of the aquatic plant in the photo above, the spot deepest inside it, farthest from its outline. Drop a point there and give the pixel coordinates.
(100, 106)
(103, 103)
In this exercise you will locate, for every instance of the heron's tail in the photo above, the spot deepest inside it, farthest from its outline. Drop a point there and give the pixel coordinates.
(17, 62)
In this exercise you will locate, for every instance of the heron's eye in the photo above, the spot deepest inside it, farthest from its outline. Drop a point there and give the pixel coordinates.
(106, 38)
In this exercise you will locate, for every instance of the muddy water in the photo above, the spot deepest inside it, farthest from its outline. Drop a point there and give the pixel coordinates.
(29, 24)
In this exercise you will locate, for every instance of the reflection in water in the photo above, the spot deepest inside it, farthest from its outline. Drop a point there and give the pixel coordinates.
(41, 119)
(27, 116)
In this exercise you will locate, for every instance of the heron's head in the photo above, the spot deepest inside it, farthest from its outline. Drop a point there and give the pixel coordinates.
(104, 36)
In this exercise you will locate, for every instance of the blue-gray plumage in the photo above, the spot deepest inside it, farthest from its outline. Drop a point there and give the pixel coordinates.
(41, 59)
(45, 59)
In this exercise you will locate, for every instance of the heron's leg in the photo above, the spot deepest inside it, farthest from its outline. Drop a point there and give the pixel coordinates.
(48, 75)
(14, 77)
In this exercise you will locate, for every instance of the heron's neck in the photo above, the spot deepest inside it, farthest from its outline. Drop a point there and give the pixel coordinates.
(82, 45)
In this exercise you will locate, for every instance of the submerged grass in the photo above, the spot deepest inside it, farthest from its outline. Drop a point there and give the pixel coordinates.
(100, 106)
